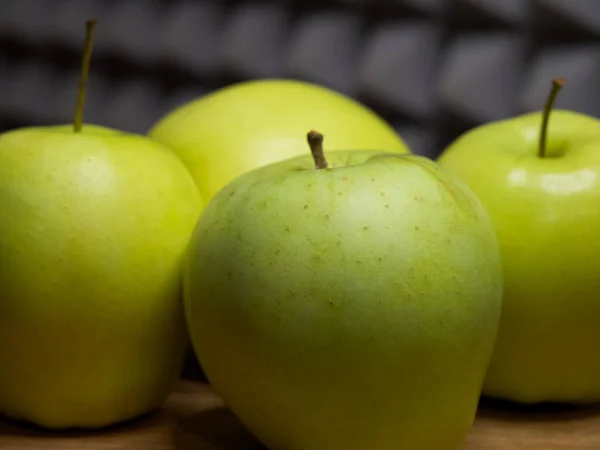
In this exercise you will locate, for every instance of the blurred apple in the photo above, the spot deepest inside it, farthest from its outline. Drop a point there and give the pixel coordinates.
(254, 123)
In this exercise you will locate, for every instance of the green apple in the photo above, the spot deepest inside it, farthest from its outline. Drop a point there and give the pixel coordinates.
(95, 223)
(347, 305)
(254, 123)
(543, 202)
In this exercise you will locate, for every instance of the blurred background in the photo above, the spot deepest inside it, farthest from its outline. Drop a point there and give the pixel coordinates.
(432, 68)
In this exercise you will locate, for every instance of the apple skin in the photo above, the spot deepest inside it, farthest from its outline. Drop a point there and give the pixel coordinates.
(94, 229)
(546, 215)
(346, 308)
(250, 124)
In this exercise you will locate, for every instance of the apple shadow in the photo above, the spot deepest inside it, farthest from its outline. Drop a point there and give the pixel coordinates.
(214, 429)
(20, 428)
(192, 369)
(506, 410)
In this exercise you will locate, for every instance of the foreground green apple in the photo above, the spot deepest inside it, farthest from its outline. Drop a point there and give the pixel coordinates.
(251, 124)
(543, 199)
(94, 226)
(349, 307)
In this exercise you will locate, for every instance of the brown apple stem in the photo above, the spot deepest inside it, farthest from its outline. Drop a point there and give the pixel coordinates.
(315, 141)
(557, 84)
(85, 70)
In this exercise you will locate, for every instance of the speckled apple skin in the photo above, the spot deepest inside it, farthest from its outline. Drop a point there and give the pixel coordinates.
(346, 308)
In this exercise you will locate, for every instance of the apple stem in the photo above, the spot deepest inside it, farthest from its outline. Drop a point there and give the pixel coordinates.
(557, 84)
(85, 70)
(315, 141)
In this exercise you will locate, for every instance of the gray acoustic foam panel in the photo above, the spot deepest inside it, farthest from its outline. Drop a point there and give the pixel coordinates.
(432, 68)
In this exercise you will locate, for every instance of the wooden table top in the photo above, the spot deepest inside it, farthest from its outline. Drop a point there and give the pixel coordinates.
(195, 418)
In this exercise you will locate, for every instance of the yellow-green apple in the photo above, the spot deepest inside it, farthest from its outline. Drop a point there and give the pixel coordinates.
(346, 304)
(94, 227)
(254, 123)
(542, 194)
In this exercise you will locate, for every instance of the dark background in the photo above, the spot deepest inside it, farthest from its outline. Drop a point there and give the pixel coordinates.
(432, 68)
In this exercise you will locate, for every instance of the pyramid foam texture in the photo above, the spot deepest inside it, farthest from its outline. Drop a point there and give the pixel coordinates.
(432, 68)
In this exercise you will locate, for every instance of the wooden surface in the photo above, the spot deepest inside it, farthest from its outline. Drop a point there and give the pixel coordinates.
(195, 418)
